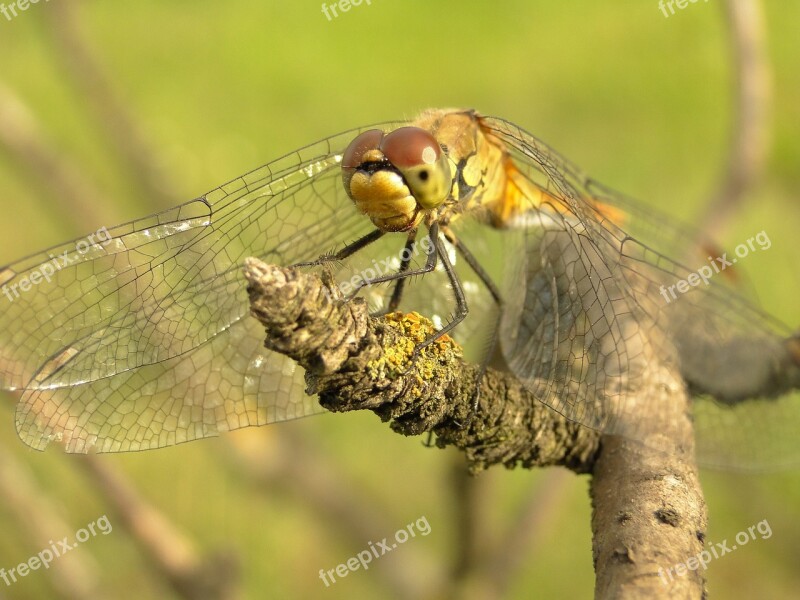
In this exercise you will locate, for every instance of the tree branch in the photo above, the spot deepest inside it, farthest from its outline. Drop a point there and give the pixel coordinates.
(649, 513)
(75, 575)
(287, 463)
(28, 144)
(355, 362)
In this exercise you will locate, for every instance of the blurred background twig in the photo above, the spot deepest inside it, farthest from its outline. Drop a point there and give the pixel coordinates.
(751, 123)
(111, 114)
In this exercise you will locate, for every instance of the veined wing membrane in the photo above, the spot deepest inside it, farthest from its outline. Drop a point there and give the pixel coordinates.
(590, 322)
(158, 287)
(227, 382)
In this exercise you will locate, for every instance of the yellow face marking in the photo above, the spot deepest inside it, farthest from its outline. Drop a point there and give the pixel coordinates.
(385, 198)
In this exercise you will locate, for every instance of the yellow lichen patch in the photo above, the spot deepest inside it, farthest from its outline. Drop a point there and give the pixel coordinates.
(415, 329)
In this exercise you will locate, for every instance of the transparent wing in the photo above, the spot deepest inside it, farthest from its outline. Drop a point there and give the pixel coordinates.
(667, 236)
(160, 286)
(229, 381)
(591, 322)
(132, 337)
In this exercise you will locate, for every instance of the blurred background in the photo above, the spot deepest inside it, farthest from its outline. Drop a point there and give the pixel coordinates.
(109, 111)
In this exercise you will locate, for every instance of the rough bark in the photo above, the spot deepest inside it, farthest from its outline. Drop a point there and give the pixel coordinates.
(648, 523)
(355, 362)
(649, 513)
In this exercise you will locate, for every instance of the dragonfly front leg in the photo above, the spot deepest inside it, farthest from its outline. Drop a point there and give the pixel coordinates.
(400, 275)
(405, 262)
(345, 252)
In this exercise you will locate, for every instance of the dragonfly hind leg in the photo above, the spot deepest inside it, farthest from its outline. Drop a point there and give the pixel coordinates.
(469, 258)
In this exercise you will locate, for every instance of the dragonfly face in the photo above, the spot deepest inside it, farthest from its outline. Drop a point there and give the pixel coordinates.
(396, 178)
(144, 339)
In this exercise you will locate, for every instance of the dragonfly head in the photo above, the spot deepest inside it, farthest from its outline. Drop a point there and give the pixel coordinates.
(395, 177)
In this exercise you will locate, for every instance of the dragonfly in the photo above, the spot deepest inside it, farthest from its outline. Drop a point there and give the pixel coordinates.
(139, 336)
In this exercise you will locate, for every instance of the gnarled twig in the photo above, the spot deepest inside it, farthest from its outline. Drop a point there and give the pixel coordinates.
(649, 513)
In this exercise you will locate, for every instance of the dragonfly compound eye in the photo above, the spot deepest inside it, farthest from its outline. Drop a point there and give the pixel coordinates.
(419, 158)
(363, 148)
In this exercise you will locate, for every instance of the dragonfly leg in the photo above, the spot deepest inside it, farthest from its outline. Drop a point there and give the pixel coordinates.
(345, 252)
(430, 265)
(436, 251)
(399, 285)
(462, 310)
(469, 258)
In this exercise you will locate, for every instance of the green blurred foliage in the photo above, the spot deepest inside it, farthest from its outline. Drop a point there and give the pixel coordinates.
(640, 101)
